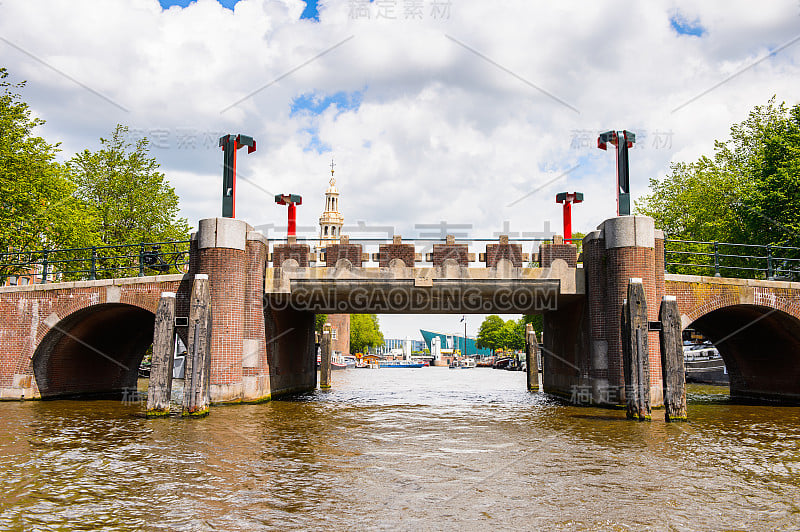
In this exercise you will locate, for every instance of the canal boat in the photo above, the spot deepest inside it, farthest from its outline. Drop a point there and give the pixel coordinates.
(704, 364)
(339, 361)
(466, 363)
(401, 364)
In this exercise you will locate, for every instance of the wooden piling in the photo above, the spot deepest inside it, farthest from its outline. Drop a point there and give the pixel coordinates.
(159, 389)
(325, 358)
(196, 392)
(532, 354)
(636, 357)
(672, 369)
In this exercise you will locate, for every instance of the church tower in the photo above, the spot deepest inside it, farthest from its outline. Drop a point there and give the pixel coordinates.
(331, 221)
(330, 229)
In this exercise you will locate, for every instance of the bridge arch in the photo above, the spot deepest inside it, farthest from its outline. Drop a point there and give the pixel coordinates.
(94, 350)
(759, 343)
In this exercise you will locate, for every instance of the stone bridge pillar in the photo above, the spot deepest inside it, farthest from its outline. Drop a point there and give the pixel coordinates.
(582, 354)
(234, 258)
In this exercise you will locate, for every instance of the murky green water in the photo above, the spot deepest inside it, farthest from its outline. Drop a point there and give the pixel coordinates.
(425, 449)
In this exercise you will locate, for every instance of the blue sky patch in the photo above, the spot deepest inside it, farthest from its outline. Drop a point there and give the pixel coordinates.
(166, 4)
(310, 12)
(314, 143)
(314, 103)
(683, 26)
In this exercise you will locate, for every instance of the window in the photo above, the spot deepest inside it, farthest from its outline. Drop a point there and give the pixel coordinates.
(325, 230)
(333, 333)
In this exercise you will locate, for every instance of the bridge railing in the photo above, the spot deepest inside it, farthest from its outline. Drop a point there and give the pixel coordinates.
(724, 259)
(152, 258)
(423, 245)
(96, 262)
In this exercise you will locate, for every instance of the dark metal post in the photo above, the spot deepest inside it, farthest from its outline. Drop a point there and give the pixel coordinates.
(770, 273)
(229, 145)
(44, 267)
(93, 266)
(716, 259)
(622, 140)
(141, 259)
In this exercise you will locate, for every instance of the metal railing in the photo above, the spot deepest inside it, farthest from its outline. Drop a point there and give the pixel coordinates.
(96, 262)
(724, 259)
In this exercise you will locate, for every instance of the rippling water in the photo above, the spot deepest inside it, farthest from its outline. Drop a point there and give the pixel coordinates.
(409, 449)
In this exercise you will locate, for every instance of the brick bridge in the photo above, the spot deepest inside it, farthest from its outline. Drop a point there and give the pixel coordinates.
(88, 337)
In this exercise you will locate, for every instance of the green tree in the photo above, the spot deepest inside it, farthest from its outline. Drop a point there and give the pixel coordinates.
(490, 333)
(319, 322)
(747, 192)
(513, 334)
(131, 199)
(38, 207)
(365, 332)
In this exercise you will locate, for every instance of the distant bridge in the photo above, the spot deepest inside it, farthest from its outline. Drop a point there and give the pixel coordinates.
(86, 335)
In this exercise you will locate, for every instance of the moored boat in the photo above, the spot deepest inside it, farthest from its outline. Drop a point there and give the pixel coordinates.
(704, 364)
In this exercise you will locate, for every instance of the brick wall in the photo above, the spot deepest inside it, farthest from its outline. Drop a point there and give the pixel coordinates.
(341, 322)
(509, 252)
(389, 252)
(225, 268)
(549, 252)
(351, 252)
(40, 321)
(456, 252)
(283, 252)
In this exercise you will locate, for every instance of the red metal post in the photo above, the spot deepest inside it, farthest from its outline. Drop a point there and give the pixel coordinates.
(292, 200)
(292, 219)
(568, 198)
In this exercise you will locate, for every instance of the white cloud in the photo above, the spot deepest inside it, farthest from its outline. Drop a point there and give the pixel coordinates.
(442, 133)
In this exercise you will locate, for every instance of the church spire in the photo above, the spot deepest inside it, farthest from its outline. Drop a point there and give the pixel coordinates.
(331, 221)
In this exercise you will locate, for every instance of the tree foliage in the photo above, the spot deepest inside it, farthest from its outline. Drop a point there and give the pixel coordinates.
(746, 192)
(319, 322)
(131, 199)
(494, 333)
(365, 332)
(39, 209)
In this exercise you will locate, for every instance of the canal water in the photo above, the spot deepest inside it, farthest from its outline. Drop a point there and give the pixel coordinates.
(401, 449)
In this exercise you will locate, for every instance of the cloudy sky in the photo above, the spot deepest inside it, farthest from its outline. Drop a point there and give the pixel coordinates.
(465, 114)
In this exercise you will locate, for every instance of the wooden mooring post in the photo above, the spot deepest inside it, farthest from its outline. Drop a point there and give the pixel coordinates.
(672, 369)
(532, 354)
(635, 354)
(159, 389)
(325, 358)
(196, 390)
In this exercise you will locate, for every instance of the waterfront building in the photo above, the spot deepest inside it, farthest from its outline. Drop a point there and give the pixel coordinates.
(449, 343)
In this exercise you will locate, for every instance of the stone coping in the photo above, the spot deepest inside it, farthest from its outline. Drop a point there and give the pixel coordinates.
(97, 283)
(731, 281)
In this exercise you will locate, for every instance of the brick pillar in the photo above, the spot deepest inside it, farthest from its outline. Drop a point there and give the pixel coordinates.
(255, 366)
(222, 255)
(396, 250)
(550, 251)
(503, 250)
(451, 250)
(622, 248)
